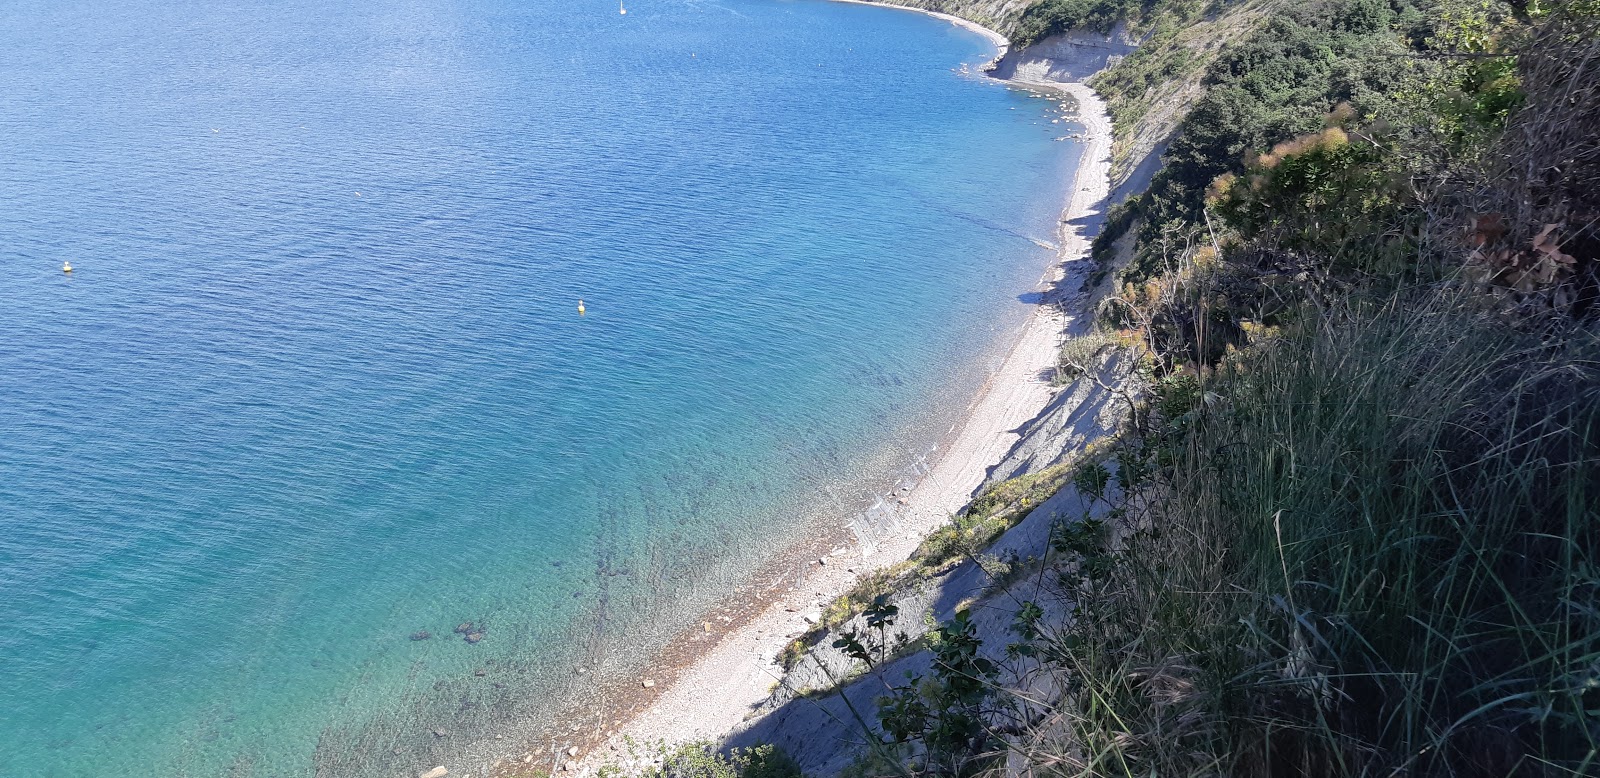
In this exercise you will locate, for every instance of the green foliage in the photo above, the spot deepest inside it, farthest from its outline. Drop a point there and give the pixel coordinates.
(1079, 355)
(1404, 499)
(1176, 397)
(1477, 88)
(993, 512)
(1159, 60)
(1380, 555)
(869, 595)
(881, 615)
(1021, 494)
(944, 712)
(694, 760)
(1051, 17)
(1328, 195)
(866, 593)
(702, 759)
(769, 761)
(1119, 219)
(1279, 83)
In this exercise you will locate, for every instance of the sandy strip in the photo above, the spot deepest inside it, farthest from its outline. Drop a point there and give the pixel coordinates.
(715, 693)
(994, 37)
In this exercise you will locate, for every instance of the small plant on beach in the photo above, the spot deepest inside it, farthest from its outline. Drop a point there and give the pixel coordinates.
(703, 759)
(880, 616)
(866, 593)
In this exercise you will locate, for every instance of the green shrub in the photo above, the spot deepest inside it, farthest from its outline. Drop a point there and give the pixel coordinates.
(1378, 556)
(1278, 84)
(702, 759)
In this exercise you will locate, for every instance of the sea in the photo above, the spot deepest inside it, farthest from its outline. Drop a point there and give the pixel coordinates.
(312, 466)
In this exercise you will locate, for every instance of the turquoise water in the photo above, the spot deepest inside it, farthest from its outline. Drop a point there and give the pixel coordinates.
(318, 380)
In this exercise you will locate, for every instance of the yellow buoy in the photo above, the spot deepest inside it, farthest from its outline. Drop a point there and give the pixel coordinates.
(580, 307)
(66, 267)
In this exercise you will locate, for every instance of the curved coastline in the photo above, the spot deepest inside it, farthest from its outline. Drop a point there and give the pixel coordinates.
(994, 37)
(706, 690)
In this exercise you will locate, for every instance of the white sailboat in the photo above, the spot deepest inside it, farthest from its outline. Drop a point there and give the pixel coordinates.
(621, 8)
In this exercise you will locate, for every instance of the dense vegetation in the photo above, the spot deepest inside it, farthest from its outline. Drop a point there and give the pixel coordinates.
(1356, 528)
(1052, 17)
(1384, 66)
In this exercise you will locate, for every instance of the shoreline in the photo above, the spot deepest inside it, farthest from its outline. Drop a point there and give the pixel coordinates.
(994, 37)
(705, 683)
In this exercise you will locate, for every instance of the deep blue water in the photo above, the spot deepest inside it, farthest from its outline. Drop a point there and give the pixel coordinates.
(318, 380)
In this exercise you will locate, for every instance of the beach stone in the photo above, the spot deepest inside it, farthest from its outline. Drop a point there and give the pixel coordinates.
(441, 732)
(480, 672)
(822, 561)
(437, 772)
(573, 751)
(579, 671)
(421, 634)
(707, 625)
(648, 683)
(463, 628)
(570, 766)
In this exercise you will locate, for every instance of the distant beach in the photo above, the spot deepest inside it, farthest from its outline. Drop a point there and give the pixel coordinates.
(708, 691)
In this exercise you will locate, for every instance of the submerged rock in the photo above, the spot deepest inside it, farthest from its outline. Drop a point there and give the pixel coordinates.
(421, 634)
(473, 637)
(463, 628)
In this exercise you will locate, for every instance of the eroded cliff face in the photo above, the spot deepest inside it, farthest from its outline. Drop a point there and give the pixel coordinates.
(1069, 57)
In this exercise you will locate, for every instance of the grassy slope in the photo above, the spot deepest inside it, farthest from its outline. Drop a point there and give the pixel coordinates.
(1361, 536)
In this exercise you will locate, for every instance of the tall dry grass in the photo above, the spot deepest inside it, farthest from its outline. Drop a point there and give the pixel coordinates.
(1378, 555)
